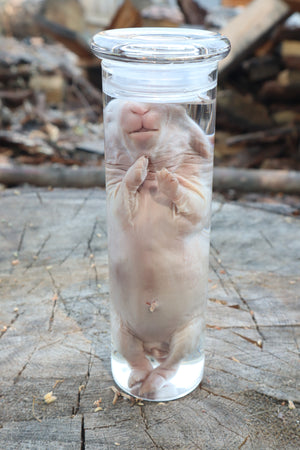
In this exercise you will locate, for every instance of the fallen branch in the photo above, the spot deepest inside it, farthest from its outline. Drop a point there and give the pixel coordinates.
(54, 176)
(246, 180)
(256, 180)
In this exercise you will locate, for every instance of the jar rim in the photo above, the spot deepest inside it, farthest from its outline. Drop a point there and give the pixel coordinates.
(160, 45)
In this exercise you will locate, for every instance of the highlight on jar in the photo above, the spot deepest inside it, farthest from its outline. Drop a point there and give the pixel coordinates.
(159, 91)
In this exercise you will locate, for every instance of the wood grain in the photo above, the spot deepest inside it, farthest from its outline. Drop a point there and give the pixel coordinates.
(55, 332)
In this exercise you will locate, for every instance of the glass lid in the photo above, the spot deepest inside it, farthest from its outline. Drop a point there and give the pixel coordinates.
(160, 45)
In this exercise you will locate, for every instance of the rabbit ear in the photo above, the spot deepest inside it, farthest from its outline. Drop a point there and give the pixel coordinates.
(200, 142)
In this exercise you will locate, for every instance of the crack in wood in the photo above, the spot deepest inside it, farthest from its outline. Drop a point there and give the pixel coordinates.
(155, 443)
(54, 300)
(91, 237)
(251, 341)
(253, 382)
(262, 369)
(215, 394)
(38, 252)
(224, 426)
(90, 252)
(244, 442)
(82, 447)
(216, 271)
(33, 287)
(69, 254)
(146, 425)
(7, 327)
(250, 312)
(237, 290)
(39, 197)
(216, 419)
(238, 375)
(266, 239)
(22, 238)
(17, 378)
(224, 303)
(144, 417)
(111, 425)
(83, 386)
(81, 206)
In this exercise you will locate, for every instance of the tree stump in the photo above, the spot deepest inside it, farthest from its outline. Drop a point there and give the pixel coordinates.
(55, 333)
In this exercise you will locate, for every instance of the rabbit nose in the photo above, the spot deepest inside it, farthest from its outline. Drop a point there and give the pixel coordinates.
(139, 109)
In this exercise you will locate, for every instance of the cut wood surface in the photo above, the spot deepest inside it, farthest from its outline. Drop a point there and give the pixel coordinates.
(55, 333)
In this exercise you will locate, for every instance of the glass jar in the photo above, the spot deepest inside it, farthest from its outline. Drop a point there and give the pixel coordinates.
(159, 90)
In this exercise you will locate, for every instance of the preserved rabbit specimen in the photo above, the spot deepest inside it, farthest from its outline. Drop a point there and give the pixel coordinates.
(158, 165)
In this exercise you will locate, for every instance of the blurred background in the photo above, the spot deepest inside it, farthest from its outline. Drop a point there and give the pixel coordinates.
(50, 83)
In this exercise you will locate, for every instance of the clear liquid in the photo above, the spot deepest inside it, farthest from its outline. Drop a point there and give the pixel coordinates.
(186, 379)
(158, 242)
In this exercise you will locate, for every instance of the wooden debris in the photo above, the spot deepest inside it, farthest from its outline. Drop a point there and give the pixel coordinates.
(291, 404)
(236, 111)
(97, 404)
(270, 135)
(17, 19)
(193, 13)
(162, 16)
(52, 85)
(119, 394)
(261, 68)
(99, 408)
(71, 39)
(49, 109)
(15, 98)
(248, 29)
(290, 53)
(31, 145)
(49, 398)
(294, 4)
(69, 13)
(127, 16)
(276, 91)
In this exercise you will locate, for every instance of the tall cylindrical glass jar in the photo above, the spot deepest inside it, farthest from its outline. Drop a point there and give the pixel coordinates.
(159, 90)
